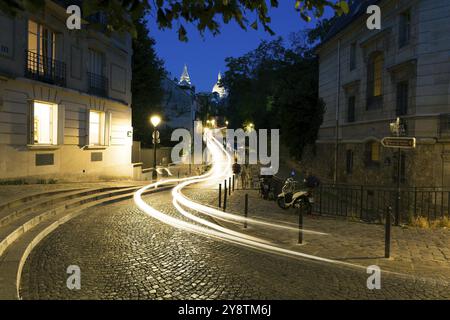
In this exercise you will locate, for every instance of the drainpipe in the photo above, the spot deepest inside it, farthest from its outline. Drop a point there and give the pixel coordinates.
(338, 96)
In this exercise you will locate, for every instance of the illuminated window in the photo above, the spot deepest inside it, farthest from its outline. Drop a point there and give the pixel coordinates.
(96, 128)
(377, 75)
(375, 152)
(375, 80)
(44, 123)
(41, 43)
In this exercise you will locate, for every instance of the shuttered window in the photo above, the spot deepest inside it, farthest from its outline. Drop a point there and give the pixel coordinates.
(352, 56)
(402, 98)
(349, 161)
(351, 105)
(404, 29)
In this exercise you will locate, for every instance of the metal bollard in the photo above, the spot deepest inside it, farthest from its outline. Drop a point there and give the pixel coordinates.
(233, 182)
(300, 225)
(225, 200)
(229, 186)
(387, 234)
(220, 195)
(246, 210)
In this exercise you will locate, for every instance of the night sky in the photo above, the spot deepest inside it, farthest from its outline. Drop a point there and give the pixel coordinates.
(205, 57)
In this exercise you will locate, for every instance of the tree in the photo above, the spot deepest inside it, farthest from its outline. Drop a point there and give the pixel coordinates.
(276, 86)
(148, 72)
(204, 14)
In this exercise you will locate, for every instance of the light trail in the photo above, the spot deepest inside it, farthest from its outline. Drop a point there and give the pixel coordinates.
(220, 169)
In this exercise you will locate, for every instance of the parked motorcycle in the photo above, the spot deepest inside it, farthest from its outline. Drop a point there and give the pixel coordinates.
(293, 196)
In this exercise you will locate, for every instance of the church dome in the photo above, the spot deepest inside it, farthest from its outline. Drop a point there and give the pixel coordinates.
(219, 89)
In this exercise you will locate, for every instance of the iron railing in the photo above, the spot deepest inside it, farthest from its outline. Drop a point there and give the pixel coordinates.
(45, 69)
(98, 85)
(369, 203)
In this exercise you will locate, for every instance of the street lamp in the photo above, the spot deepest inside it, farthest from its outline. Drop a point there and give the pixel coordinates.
(398, 129)
(226, 123)
(155, 120)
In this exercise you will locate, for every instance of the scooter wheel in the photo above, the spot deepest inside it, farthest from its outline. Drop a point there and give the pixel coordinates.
(282, 204)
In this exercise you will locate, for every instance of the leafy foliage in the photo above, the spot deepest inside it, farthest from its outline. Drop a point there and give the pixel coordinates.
(276, 86)
(148, 72)
(206, 15)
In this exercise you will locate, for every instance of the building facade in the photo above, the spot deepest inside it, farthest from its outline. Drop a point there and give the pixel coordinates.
(65, 99)
(179, 103)
(368, 78)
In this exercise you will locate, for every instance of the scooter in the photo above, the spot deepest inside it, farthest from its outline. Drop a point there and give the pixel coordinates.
(291, 196)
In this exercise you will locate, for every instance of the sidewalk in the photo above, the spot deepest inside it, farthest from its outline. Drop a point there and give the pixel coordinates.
(12, 192)
(417, 252)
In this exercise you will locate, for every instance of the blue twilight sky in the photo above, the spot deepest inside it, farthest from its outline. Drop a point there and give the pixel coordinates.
(205, 57)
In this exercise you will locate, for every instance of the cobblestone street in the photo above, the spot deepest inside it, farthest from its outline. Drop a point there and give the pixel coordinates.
(124, 254)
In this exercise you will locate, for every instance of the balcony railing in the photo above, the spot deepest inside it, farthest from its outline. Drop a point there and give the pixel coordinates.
(45, 69)
(98, 85)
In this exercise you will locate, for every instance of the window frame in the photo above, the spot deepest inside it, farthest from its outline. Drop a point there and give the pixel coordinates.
(349, 156)
(352, 61)
(402, 98)
(375, 80)
(370, 147)
(39, 50)
(404, 31)
(57, 124)
(351, 109)
(101, 128)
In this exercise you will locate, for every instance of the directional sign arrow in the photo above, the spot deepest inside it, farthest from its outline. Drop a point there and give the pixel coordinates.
(399, 142)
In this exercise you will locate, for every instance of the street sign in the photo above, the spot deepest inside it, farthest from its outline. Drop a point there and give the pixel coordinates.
(157, 134)
(399, 142)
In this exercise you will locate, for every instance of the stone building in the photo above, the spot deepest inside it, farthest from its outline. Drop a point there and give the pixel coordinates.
(179, 103)
(64, 98)
(368, 78)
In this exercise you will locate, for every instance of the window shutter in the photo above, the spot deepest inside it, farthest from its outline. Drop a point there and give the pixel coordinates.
(108, 126)
(30, 123)
(61, 124)
(87, 124)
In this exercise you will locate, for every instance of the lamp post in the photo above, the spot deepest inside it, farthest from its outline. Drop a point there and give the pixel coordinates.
(398, 129)
(155, 120)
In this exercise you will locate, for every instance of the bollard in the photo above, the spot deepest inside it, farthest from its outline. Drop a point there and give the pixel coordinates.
(229, 186)
(300, 224)
(387, 234)
(233, 182)
(220, 195)
(246, 210)
(225, 199)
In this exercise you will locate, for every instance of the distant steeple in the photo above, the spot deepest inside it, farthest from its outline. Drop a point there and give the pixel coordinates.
(219, 88)
(185, 79)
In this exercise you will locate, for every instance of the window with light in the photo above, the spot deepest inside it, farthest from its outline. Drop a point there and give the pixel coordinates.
(44, 123)
(96, 127)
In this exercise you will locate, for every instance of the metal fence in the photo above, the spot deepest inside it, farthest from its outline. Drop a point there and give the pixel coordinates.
(369, 203)
(98, 84)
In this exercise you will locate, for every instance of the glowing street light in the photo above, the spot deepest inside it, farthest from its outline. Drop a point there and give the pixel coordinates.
(155, 120)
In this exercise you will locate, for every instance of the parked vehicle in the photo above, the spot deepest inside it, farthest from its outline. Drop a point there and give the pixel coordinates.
(294, 196)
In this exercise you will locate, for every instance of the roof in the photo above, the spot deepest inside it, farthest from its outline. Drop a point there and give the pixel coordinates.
(357, 9)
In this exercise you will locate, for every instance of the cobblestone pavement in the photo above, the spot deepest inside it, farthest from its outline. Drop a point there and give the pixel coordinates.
(414, 251)
(125, 254)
